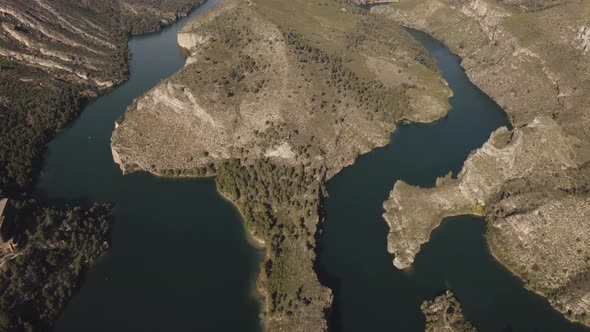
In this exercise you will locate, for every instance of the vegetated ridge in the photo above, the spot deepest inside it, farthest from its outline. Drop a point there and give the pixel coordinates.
(275, 99)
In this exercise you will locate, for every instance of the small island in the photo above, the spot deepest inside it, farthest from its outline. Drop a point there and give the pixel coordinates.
(530, 182)
(443, 314)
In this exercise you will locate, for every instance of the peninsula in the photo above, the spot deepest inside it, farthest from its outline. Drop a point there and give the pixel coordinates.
(55, 56)
(531, 182)
(276, 98)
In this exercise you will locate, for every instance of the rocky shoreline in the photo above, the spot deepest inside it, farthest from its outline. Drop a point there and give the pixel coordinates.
(532, 182)
(444, 314)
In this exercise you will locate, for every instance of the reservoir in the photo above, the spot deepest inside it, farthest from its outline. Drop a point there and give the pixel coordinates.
(180, 259)
(370, 293)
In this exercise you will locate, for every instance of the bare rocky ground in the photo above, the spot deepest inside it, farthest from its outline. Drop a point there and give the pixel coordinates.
(276, 98)
(531, 183)
(444, 314)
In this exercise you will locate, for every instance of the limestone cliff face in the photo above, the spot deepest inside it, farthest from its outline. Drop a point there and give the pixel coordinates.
(188, 40)
(80, 42)
(192, 35)
(531, 183)
(76, 45)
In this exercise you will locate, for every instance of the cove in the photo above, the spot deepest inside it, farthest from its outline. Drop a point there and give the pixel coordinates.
(180, 259)
(370, 293)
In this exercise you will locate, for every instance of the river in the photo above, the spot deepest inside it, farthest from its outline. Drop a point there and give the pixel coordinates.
(370, 293)
(180, 258)
(181, 261)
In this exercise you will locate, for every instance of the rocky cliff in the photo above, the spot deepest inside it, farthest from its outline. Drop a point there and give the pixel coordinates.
(531, 182)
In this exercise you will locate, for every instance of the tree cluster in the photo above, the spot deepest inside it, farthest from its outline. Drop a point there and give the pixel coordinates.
(388, 103)
(275, 201)
(56, 246)
(29, 118)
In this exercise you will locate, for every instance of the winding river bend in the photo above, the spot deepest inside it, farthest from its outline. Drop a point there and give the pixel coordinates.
(180, 259)
(372, 295)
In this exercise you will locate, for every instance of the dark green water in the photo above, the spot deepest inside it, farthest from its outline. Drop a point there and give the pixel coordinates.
(180, 260)
(370, 293)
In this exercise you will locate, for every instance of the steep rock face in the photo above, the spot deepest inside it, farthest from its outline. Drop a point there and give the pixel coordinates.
(74, 43)
(53, 56)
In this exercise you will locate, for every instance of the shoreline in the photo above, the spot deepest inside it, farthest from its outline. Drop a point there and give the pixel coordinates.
(260, 293)
(525, 284)
(258, 242)
(508, 107)
(87, 97)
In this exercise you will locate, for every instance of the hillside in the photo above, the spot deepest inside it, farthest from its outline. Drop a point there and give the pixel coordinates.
(444, 314)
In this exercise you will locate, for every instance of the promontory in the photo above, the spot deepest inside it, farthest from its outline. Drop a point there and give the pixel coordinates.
(276, 98)
(531, 182)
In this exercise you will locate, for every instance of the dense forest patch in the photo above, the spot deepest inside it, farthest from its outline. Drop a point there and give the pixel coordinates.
(56, 247)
